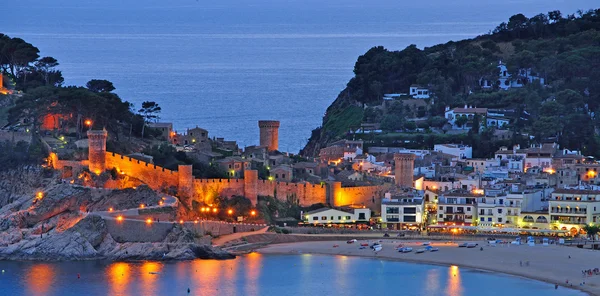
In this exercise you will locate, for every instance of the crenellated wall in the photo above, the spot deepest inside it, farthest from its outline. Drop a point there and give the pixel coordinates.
(205, 190)
(156, 177)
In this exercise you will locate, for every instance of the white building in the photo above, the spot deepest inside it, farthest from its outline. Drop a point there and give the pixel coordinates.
(402, 212)
(468, 112)
(492, 211)
(457, 208)
(481, 164)
(460, 151)
(497, 122)
(333, 216)
(505, 81)
(419, 92)
(571, 209)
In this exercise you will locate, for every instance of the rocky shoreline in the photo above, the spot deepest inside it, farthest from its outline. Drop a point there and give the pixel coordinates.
(56, 229)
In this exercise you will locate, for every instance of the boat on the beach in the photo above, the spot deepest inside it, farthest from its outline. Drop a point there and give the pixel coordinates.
(463, 245)
(351, 241)
(405, 250)
(427, 243)
(472, 245)
(419, 251)
(431, 249)
(377, 248)
(364, 245)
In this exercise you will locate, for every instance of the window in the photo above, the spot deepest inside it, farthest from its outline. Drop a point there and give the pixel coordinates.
(392, 210)
(331, 218)
(468, 209)
(323, 217)
(499, 220)
(348, 217)
(489, 219)
(361, 216)
(441, 208)
(482, 219)
(441, 216)
(499, 211)
(410, 218)
(229, 166)
(411, 210)
(315, 218)
(283, 176)
(339, 217)
(276, 176)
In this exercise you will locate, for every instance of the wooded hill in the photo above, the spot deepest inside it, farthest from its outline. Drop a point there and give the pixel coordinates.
(564, 50)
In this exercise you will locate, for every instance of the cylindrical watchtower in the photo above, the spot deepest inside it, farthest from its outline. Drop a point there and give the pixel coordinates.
(404, 169)
(97, 151)
(269, 134)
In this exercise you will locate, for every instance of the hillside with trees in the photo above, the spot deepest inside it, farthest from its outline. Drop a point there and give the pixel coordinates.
(564, 50)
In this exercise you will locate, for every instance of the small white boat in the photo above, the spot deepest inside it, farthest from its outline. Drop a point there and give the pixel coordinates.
(405, 250)
(427, 243)
(377, 248)
(472, 245)
(419, 251)
(153, 272)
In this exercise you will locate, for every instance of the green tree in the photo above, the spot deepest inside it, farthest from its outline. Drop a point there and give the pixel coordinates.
(461, 120)
(149, 112)
(45, 66)
(100, 86)
(391, 123)
(591, 230)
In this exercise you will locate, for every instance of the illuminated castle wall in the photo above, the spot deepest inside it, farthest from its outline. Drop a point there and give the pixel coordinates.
(205, 190)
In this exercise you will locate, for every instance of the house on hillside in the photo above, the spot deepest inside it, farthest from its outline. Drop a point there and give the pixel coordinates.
(419, 92)
(469, 112)
(505, 81)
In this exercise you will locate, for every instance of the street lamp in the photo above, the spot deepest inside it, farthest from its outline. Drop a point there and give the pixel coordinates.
(253, 213)
(230, 212)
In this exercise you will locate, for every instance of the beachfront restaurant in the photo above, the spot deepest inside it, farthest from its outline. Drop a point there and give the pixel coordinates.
(328, 216)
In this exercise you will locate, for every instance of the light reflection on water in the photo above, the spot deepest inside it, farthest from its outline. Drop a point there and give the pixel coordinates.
(256, 274)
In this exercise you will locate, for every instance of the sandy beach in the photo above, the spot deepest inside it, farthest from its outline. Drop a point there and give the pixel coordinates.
(546, 263)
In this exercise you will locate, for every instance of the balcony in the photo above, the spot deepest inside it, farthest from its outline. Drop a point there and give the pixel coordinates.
(568, 220)
(568, 211)
(454, 212)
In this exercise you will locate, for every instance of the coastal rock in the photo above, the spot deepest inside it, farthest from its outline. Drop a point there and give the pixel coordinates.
(207, 252)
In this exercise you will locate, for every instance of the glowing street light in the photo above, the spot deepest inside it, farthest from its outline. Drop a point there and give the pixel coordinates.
(214, 210)
(120, 218)
(88, 122)
(110, 209)
(230, 212)
(253, 213)
(148, 221)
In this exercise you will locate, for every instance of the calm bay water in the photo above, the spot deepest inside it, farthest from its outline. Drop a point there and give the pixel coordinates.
(257, 274)
(224, 65)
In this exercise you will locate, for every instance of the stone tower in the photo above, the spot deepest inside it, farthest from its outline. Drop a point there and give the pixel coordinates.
(404, 168)
(269, 134)
(185, 186)
(97, 151)
(251, 185)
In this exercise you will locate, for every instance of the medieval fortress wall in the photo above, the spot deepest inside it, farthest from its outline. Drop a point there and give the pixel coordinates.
(205, 190)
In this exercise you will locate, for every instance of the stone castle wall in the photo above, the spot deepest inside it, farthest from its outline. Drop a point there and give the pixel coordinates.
(205, 190)
(368, 196)
(156, 177)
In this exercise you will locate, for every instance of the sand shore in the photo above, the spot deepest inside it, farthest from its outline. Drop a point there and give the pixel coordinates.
(546, 263)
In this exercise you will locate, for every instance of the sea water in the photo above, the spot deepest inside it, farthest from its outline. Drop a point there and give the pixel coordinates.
(223, 65)
(256, 274)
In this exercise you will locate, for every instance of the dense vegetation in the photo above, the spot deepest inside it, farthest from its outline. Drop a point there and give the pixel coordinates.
(564, 50)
